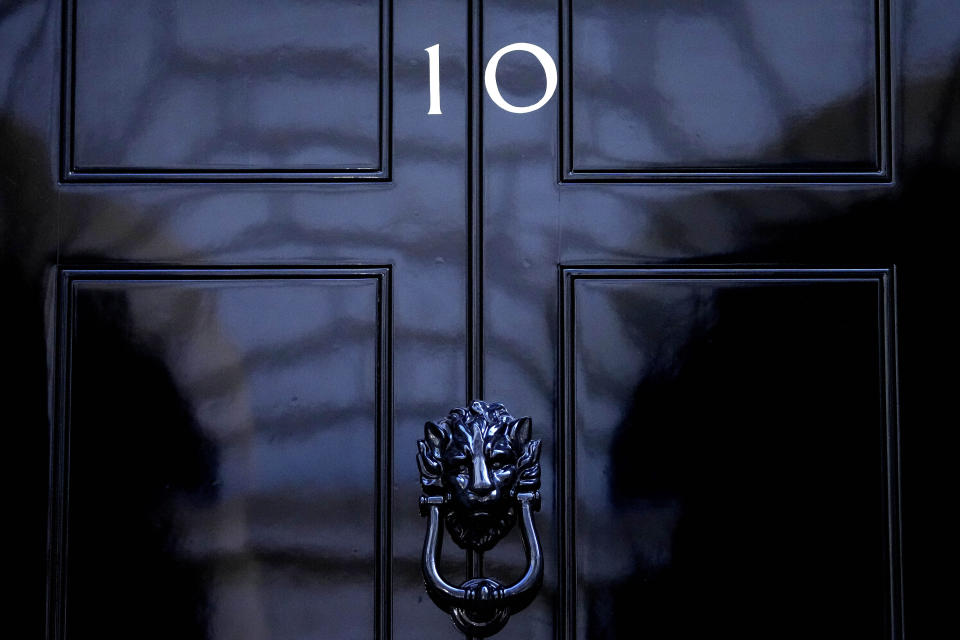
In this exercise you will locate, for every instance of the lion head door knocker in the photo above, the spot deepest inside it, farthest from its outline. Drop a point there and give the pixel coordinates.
(479, 471)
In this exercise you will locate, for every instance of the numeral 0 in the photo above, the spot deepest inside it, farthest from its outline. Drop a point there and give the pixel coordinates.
(490, 77)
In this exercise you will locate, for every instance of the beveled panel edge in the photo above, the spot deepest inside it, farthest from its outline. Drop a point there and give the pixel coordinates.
(884, 277)
(475, 221)
(58, 465)
(882, 172)
(70, 173)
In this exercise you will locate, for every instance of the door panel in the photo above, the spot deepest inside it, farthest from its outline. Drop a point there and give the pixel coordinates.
(225, 445)
(745, 90)
(174, 91)
(726, 446)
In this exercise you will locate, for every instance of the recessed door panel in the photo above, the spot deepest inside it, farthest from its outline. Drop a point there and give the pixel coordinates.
(726, 454)
(225, 451)
(172, 90)
(688, 90)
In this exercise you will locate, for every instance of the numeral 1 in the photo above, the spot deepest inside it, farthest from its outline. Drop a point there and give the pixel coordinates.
(434, 55)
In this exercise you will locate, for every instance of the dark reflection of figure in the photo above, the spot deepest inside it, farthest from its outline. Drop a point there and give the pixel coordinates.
(27, 244)
(713, 427)
(727, 430)
(125, 574)
(150, 461)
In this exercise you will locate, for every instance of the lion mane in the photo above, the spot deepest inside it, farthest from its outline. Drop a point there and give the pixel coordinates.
(452, 435)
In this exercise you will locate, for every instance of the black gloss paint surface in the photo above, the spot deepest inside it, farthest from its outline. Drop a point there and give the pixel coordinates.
(186, 187)
(730, 463)
(692, 87)
(246, 501)
(294, 90)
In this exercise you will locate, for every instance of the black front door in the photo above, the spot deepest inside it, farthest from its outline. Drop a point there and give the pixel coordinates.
(252, 246)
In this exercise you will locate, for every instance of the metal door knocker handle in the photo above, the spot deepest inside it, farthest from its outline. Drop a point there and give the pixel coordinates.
(479, 472)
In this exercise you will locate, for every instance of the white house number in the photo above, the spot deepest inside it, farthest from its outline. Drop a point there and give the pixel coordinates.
(490, 77)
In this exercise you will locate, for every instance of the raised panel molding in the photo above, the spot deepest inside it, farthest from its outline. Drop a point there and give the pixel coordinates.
(642, 315)
(262, 388)
(571, 168)
(248, 151)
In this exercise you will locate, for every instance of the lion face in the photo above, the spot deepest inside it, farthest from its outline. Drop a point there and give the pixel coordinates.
(478, 459)
(480, 469)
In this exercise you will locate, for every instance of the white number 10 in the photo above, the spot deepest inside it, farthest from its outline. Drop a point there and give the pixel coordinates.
(490, 77)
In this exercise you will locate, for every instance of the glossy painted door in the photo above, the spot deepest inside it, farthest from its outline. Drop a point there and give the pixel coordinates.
(240, 241)
(692, 269)
(244, 265)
